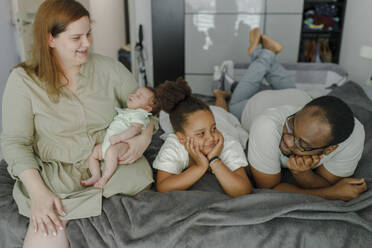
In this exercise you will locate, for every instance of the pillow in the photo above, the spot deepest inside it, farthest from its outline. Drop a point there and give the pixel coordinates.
(361, 105)
(226, 122)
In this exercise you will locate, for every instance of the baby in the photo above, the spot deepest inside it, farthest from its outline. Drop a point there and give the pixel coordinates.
(128, 123)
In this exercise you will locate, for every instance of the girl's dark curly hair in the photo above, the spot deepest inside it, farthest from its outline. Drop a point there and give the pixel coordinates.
(175, 99)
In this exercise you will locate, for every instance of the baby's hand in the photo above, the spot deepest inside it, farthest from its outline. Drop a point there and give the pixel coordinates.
(114, 139)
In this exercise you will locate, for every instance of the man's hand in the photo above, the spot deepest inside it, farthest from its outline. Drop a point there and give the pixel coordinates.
(348, 188)
(300, 164)
(193, 148)
(216, 151)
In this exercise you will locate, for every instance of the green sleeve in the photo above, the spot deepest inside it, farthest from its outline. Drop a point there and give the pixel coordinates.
(18, 125)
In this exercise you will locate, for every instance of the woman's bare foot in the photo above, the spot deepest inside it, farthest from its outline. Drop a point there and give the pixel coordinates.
(101, 182)
(221, 97)
(254, 39)
(220, 93)
(270, 44)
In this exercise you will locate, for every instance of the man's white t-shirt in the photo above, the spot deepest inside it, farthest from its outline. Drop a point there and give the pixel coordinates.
(173, 157)
(265, 135)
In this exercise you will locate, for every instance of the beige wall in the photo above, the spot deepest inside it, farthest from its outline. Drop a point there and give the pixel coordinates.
(108, 26)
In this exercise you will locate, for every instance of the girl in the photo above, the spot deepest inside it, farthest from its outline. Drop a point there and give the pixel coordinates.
(196, 146)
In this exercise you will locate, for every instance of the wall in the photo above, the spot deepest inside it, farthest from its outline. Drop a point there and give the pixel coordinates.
(108, 26)
(357, 32)
(218, 30)
(8, 48)
(140, 13)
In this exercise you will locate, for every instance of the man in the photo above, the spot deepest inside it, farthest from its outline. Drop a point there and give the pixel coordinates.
(320, 143)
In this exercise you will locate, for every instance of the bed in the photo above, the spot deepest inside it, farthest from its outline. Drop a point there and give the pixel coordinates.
(205, 217)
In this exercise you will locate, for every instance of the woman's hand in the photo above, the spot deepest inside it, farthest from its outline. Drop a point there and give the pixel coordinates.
(44, 208)
(193, 148)
(44, 204)
(216, 151)
(137, 146)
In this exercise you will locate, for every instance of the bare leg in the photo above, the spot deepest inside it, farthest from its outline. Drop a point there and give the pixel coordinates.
(38, 240)
(111, 162)
(221, 98)
(249, 85)
(270, 44)
(94, 166)
(254, 39)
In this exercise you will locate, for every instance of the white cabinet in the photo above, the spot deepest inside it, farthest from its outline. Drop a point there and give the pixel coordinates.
(218, 30)
(286, 29)
(211, 39)
(284, 6)
(224, 6)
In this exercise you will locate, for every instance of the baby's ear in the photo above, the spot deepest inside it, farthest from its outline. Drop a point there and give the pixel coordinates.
(148, 108)
(181, 137)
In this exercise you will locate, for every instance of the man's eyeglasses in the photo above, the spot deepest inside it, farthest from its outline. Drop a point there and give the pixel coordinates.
(289, 126)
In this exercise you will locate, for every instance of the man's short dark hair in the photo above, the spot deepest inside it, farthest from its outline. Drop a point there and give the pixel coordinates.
(339, 116)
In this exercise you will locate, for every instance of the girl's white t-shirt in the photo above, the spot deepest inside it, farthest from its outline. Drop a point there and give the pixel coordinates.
(173, 157)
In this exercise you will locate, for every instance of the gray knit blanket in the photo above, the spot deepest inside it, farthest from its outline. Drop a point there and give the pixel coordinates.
(205, 217)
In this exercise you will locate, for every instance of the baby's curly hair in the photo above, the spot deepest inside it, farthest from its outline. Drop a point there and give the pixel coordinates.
(176, 99)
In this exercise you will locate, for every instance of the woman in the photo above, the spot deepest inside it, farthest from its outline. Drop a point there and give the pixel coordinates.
(56, 108)
(262, 51)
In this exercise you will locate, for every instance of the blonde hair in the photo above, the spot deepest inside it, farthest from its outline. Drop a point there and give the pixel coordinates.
(52, 17)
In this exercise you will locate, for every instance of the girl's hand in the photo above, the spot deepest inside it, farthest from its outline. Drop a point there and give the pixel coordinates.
(193, 148)
(216, 151)
(44, 208)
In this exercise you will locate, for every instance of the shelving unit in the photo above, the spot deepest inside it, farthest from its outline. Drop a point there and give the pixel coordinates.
(321, 32)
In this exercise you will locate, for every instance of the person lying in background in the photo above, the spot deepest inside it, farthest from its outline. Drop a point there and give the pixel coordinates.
(319, 140)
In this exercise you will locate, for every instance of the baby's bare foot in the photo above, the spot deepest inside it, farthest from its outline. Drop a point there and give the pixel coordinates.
(90, 181)
(254, 39)
(270, 44)
(221, 93)
(101, 183)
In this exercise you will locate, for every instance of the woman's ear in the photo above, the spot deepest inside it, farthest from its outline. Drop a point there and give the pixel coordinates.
(330, 149)
(181, 137)
(51, 41)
